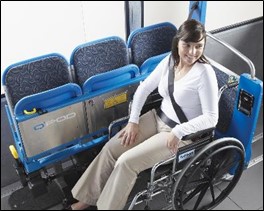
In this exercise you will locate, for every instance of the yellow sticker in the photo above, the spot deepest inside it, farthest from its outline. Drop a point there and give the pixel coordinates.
(115, 100)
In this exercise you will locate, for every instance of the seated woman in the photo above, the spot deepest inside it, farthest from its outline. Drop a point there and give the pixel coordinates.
(146, 139)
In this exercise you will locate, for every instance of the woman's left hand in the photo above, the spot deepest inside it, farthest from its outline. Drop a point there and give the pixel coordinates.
(172, 142)
(129, 134)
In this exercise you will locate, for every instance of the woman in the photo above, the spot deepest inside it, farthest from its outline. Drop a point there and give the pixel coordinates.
(146, 140)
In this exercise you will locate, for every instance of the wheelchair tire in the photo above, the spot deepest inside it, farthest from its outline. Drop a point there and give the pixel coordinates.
(210, 176)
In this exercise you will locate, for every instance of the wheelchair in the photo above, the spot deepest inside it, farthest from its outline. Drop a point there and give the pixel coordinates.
(190, 178)
(59, 111)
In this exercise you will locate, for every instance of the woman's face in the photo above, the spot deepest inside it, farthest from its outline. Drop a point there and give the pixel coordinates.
(190, 52)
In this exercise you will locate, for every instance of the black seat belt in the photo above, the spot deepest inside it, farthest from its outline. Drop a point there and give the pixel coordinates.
(176, 107)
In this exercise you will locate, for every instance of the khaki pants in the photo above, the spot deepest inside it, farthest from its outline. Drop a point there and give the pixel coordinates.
(109, 179)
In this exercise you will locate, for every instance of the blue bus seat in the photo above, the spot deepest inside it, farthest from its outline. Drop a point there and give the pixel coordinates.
(151, 63)
(35, 75)
(101, 68)
(111, 78)
(97, 57)
(44, 109)
(110, 94)
(150, 41)
(57, 121)
(52, 98)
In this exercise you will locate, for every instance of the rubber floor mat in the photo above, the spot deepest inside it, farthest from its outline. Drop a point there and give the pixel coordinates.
(23, 199)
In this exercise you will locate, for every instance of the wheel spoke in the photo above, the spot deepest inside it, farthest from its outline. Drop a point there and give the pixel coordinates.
(212, 192)
(200, 197)
(193, 193)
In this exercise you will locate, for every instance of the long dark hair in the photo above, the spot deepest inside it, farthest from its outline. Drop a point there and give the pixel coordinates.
(190, 31)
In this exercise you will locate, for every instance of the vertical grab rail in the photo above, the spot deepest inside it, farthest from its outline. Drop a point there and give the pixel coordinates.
(238, 53)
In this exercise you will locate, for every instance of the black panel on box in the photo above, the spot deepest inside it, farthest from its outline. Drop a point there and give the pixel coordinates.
(245, 102)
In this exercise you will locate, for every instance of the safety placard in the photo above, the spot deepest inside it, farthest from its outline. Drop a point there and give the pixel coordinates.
(115, 100)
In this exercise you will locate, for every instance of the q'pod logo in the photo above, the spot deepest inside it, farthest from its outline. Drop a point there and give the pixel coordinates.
(59, 119)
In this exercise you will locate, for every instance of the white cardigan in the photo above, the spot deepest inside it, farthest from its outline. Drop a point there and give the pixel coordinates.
(196, 93)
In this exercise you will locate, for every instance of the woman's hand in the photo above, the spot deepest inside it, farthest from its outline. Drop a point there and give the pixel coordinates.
(173, 143)
(129, 134)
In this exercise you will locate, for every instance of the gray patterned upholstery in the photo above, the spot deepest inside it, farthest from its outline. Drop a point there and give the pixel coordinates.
(150, 41)
(98, 57)
(35, 75)
(226, 103)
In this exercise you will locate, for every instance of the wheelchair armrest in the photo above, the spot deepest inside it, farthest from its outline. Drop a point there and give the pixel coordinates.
(199, 135)
(116, 123)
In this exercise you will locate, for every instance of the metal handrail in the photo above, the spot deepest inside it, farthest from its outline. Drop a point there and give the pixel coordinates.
(238, 53)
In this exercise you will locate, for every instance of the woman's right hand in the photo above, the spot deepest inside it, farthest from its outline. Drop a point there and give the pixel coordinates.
(129, 134)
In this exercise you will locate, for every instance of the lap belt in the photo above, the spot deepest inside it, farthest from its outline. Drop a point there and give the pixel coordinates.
(166, 119)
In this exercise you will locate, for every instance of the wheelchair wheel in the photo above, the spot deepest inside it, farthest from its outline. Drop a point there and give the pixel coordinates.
(210, 176)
